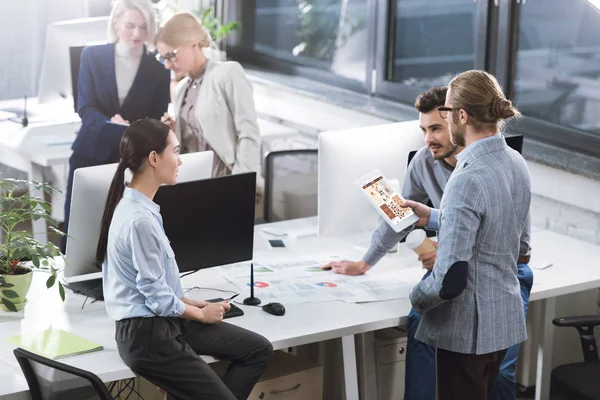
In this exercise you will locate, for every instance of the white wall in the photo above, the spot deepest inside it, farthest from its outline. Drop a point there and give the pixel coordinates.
(22, 29)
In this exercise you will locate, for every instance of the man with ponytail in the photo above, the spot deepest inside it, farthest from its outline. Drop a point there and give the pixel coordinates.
(160, 333)
(471, 305)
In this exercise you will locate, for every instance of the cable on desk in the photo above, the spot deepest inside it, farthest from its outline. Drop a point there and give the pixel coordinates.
(209, 288)
(249, 305)
(189, 273)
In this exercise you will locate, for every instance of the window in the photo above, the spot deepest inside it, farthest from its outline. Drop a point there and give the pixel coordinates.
(432, 41)
(328, 35)
(426, 43)
(557, 77)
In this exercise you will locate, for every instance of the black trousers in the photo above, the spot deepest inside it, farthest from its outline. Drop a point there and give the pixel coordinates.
(467, 376)
(165, 352)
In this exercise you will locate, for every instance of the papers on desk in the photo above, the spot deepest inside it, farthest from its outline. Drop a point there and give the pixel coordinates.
(303, 281)
(4, 115)
(54, 139)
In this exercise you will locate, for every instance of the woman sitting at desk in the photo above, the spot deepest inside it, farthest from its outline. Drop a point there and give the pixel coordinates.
(159, 331)
(213, 105)
(119, 82)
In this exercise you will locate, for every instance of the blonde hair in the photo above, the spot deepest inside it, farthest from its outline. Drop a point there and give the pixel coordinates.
(181, 29)
(480, 94)
(120, 6)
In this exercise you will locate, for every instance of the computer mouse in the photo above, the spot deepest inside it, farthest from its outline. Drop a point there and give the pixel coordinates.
(274, 308)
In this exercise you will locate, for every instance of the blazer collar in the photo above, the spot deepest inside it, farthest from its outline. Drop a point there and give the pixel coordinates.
(481, 147)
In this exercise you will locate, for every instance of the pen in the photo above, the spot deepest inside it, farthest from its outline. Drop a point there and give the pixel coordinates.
(232, 297)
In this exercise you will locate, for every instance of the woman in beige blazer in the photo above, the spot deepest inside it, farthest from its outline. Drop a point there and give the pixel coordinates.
(213, 105)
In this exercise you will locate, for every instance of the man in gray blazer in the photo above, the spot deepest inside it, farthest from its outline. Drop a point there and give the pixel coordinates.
(471, 304)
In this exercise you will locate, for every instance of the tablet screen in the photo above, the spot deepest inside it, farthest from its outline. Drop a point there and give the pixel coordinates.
(383, 196)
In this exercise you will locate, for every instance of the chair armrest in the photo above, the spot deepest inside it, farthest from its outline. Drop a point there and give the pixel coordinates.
(577, 321)
(585, 324)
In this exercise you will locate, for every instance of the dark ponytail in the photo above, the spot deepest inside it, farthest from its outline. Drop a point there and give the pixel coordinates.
(139, 140)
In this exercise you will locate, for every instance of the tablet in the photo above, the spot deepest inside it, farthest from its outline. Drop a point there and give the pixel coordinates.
(387, 202)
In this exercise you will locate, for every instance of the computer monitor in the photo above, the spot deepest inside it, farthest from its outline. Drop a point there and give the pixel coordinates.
(55, 74)
(345, 156)
(210, 222)
(515, 142)
(90, 189)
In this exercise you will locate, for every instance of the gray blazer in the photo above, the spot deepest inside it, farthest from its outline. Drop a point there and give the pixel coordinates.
(225, 112)
(471, 302)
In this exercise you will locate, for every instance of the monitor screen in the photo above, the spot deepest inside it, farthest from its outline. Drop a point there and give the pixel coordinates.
(345, 156)
(55, 73)
(90, 189)
(209, 222)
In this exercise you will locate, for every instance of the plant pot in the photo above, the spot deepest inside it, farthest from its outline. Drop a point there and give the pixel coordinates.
(21, 284)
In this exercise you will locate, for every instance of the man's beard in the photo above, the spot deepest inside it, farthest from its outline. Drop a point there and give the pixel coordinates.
(457, 133)
(447, 154)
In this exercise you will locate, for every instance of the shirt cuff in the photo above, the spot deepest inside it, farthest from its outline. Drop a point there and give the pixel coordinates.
(372, 256)
(434, 220)
(179, 308)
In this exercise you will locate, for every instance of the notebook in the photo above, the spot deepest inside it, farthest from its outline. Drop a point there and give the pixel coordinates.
(55, 343)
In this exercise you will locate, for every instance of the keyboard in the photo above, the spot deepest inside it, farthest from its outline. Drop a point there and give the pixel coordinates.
(91, 288)
(234, 311)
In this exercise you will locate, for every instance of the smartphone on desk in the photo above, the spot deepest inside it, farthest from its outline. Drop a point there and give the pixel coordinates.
(276, 243)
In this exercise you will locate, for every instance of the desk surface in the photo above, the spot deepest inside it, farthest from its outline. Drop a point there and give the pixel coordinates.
(47, 139)
(302, 323)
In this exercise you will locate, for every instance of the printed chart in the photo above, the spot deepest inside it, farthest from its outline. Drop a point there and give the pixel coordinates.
(303, 281)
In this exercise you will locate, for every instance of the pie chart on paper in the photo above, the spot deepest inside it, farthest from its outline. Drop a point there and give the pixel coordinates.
(326, 284)
(260, 285)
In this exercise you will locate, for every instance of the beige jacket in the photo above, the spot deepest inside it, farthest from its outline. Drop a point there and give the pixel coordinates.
(225, 112)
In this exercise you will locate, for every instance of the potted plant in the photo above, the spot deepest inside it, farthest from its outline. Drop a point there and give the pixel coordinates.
(19, 251)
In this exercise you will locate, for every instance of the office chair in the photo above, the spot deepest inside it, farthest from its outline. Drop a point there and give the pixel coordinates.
(51, 380)
(579, 381)
(290, 184)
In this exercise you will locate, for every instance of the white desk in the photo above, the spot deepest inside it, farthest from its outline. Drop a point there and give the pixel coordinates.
(573, 271)
(45, 142)
(13, 385)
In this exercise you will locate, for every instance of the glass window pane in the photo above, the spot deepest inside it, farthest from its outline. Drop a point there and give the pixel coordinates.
(325, 34)
(432, 41)
(558, 63)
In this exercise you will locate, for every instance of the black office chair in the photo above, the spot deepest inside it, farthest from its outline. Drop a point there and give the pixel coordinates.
(290, 184)
(51, 380)
(579, 381)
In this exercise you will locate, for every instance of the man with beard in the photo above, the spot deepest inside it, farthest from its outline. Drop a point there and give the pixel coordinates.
(471, 306)
(425, 181)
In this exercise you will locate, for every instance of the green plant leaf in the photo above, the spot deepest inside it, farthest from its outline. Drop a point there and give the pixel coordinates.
(61, 290)
(8, 304)
(11, 294)
(45, 263)
(50, 281)
(35, 260)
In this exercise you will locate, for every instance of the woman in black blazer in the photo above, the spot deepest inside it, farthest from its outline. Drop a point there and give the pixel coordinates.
(119, 82)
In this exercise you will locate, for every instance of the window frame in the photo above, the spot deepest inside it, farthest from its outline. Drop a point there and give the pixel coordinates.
(406, 93)
(566, 142)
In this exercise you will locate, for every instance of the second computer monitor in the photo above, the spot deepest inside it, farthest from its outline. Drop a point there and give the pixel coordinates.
(210, 222)
(346, 155)
(90, 189)
(55, 81)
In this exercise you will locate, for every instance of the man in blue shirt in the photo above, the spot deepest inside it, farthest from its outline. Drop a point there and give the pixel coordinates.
(428, 173)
